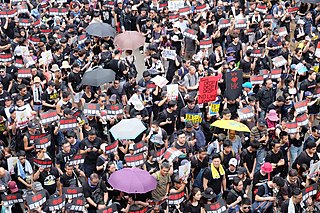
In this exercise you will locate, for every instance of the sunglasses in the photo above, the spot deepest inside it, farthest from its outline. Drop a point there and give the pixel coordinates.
(246, 207)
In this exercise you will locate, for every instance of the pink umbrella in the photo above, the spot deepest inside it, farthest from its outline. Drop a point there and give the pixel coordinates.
(129, 40)
(132, 180)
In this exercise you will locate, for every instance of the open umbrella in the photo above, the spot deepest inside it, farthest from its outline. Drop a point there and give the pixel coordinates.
(127, 129)
(132, 180)
(129, 40)
(100, 29)
(98, 76)
(230, 124)
(310, 1)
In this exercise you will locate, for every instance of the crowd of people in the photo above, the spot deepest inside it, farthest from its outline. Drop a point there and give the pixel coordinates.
(45, 53)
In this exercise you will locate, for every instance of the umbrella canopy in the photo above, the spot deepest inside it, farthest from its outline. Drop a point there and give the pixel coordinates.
(129, 40)
(230, 124)
(310, 1)
(98, 76)
(132, 180)
(127, 129)
(100, 29)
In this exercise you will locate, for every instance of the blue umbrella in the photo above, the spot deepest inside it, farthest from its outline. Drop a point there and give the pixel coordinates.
(127, 129)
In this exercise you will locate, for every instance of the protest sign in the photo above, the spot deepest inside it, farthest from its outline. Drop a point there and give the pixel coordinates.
(77, 159)
(184, 171)
(176, 198)
(214, 108)
(47, 57)
(172, 91)
(276, 73)
(36, 200)
(193, 117)
(56, 203)
(233, 84)
(256, 79)
(206, 43)
(217, 207)
(292, 127)
(140, 147)
(293, 9)
(282, 31)
(264, 73)
(256, 53)
(172, 153)
(158, 154)
(173, 17)
(8, 13)
(261, 8)
(113, 110)
(24, 73)
(184, 11)
(72, 192)
(202, 8)
(112, 147)
(22, 118)
(134, 160)
(25, 22)
(110, 209)
(302, 120)
(58, 11)
(49, 117)
(268, 18)
(91, 109)
(175, 5)
(4, 57)
(241, 23)
(32, 137)
(309, 191)
(42, 163)
(301, 69)
(169, 54)
(12, 161)
(68, 123)
(43, 142)
(159, 81)
(279, 61)
(11, 199)
(224, 23)
(245, 113)
(301, 107)
(314, 168)
(77, 204)
(161, 5)
(190, 33)
(208, 89)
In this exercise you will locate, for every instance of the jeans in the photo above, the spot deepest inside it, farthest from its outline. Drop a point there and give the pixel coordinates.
(261, 155)
(295, 152)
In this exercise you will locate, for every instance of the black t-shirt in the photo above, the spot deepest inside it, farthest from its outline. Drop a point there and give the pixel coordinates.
(191, 208)
(275, 158)
(6, 81)
(233, 195)
(49, 98)
(304, 158)
(117, 92)
(307, 85)
(3, 96)
(62, 158)
(230, 175)
(163, 116)
(245, 66)
(49, 180)
(248, 158)
(259, 178)
(197, 165)
(68, 181)
(91, 157)
(75, 79)
(88, 190)
(216, 183)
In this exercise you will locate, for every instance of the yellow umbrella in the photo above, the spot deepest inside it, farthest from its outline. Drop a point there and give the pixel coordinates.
(230, 124)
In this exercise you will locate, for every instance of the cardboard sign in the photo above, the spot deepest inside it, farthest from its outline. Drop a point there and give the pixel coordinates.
(193, 117)
(264, 73)
(49, 117)
(91, 109)
(189, 33)
(245, 113)
(134, 160)
(32, 138)
(314, 169)
(256, 53)
(162, 5)
(302, 120)
(172, 91)
(309, 191)
(175, 5)
(268, 18)
(8, 13)
(208, 87)
(184, 171)
(140, 147)
(44, 142)
(204, 44)
(36, 200)
(279, 61)
(176, 198)
(34, 40)
(25, 22)
(46, 31)
(173, 17)
(233, 84)
(47, 56)
(22, 118)
(11, 199)
(72, 192)
(261, 8)
(5, 57)
(169, 54)
(292, 127)
(217, 207)
(184, 11)
(82, 38)
(57, 203)
(160, 81)
(24, 73)
(18, 62)
(42, 163)
(214, 108)
(172, 153)
(241, 23)
(224, 23)
(68, 123)
(293, 9)
(114, 110)
(77, 204)
(158, 154)
(256, 79)
(283, 31)
(276, 73)
(58, 11)
(301, 107)
(112, 147)
(76, 159)
(110, 4)
(22, 8)
(202, 8)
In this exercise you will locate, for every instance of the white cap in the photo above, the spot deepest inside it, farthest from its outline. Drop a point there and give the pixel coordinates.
(233, 162)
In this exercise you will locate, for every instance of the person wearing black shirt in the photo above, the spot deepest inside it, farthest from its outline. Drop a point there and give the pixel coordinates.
(48, 177)
(88, 189)
(90, 147)
(50, 97)
(168, 117)
(248, 157)
(307, 157)
(236, 194)
(64, 156)
(118, 66)
(199, 161)
(6, 79)
(71, 178)
(275, 157)
(3, 95)
(74, 82)
(183, 145)
(308, 84)
(296, 200)
(265, 97)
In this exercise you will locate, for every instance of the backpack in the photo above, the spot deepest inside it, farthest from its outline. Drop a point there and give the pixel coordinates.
(201, 139)
(222, 155)
(198, 180)
(261, 207)
(97, 196)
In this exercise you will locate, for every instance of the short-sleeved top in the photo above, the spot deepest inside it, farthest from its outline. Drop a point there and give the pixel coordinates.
(304, 158)
(49, 180)
(62, 158)
(161, 190)
(216, 183)
(88, 190)
(75, 80)
(248, 158)
(68, 181)
(91, 157)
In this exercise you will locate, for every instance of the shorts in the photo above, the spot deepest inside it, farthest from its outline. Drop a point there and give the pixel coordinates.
(37, 107)
(77, 97)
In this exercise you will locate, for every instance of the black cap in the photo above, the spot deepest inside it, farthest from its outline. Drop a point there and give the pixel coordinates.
(189, 124)
(32, 125)
(209, 194)
(261, 122)
(242, 170)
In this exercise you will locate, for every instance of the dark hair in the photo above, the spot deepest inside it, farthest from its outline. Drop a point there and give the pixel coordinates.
(236, 181)
(245, 201)
(21, 153)
(255, 144)
(172, 104)
(180, 132)
(282, 134)
(314, 128)
(19, 98)
(293, 173)
(216, 155)
(274, 142)
(21, 86)
(92, 132)
(227, 143)
(279, 181)
(311, 144)
(202, 149)
(155, 123)
(165, 165)
(65, 94)
(296, 191)
(194, 191)
(94, 176)
(226, 111)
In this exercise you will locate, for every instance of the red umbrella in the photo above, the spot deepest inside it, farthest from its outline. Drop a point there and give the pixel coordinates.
(129, 40)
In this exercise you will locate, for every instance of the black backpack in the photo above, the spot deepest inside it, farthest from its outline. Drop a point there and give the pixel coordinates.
(97, 194)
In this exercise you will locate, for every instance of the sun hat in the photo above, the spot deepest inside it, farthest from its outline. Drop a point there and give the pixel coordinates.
(272, 115)
(266, 167)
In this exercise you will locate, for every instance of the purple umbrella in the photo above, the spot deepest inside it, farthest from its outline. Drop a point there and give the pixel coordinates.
(132, 180)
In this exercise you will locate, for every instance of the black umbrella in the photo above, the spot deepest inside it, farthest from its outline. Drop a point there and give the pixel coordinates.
(98, 76)
(100, 29)
(310, 1)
